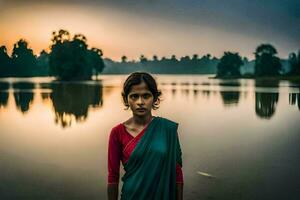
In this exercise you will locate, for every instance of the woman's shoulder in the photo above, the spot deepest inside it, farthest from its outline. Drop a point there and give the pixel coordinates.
(115, 130)
(168, 121)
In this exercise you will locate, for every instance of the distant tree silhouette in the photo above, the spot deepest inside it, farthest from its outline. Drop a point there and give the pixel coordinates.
(171, 65)
(70, 58)
(23, 59)
(195, 57)
(173, 58)
(124, 59)
(43, 64)
(206, 57)
(143, 59)
(266, 61)
(185, 59)
(294, 61)
(155, 58)
(229, 65)
(4, 62)
(95, 61)
(163, 58)
(245, 60)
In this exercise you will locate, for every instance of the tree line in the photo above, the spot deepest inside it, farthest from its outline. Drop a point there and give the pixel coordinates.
(266, 63)
(69, 58)
(173, 65)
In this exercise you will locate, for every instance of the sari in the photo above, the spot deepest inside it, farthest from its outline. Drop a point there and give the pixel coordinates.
(150, 172)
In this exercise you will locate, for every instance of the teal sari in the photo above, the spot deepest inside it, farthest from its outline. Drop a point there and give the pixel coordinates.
(150, 172)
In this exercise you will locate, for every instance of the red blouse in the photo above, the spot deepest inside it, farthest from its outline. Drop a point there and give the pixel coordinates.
(120, 146)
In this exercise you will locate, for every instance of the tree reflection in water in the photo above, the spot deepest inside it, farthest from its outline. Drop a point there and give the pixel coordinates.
(294, 99)
(230, 97)
(3, 94)
(265, 103)
(71, 101)
(23, 94)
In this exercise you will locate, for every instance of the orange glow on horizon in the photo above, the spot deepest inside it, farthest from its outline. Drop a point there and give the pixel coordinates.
(118, 33)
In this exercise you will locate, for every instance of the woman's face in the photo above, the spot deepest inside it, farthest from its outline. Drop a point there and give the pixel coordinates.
(140, 99)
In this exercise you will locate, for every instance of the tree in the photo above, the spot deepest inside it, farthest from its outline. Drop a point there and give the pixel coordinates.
(294, 62)
(124, 59)
(95, 60)
(195, 57)
(71, 59)
(173, 58)
(206, 57)
(143, 59)
(68, 58)
(266, 61)
(229, 65)
(245, 60)
(4, 62)
(163, 58)
(23, 59)
(185, 59)
(155, 58)
(43, 64)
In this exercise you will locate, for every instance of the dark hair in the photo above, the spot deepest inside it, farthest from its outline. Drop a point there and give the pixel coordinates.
(136, 78)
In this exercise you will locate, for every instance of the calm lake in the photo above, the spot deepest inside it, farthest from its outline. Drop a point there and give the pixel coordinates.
(240, 138)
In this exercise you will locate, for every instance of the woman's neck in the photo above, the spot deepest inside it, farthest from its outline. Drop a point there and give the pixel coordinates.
(142, 120)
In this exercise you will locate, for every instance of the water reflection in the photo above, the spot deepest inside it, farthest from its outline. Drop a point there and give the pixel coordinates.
(265, 103)
(294, 99)
(3, 94)
(23, 95)
(71, 101)
(230, 98)
(38, 163)
(205, 93)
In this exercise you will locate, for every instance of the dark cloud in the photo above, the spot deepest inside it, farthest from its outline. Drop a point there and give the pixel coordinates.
(278, 19)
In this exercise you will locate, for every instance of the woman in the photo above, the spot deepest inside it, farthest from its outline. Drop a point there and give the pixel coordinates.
(147, 145)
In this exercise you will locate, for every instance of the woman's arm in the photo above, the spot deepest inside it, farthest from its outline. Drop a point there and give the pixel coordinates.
(179, 191)
(179, 173)
(112, 191)
(114, 155)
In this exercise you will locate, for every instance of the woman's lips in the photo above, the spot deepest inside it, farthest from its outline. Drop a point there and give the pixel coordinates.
(141, 109)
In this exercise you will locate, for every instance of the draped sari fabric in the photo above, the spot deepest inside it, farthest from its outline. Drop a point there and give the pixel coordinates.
(150, 172)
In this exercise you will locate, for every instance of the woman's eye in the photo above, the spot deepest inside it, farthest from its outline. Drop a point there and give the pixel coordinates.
(146, 96)
(134, 96)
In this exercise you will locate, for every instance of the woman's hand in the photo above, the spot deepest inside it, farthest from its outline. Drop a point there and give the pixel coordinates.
(112, 191)
(179, 191)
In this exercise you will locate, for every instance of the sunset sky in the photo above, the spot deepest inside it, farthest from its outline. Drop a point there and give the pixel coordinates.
(161, 27)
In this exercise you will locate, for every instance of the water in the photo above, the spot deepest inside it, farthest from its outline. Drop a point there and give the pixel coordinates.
(53, 139)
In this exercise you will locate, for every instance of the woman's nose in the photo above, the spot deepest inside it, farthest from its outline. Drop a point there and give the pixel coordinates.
(140, 100)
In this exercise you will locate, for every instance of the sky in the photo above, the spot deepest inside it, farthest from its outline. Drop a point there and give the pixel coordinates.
(160, 27)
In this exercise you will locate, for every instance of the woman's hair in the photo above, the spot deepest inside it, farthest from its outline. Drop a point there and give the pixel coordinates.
(136, 78)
